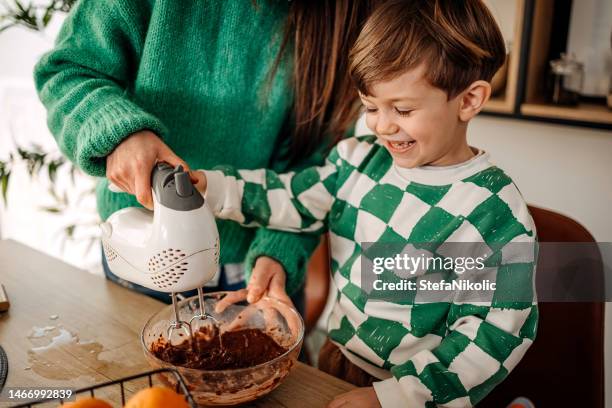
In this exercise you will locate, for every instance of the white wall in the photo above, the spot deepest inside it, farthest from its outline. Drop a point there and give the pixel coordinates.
(564, 168)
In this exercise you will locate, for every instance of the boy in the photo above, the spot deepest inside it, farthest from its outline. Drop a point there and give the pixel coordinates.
(422, 69)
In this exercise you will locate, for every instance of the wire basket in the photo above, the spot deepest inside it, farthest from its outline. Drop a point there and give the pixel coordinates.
(180, 387)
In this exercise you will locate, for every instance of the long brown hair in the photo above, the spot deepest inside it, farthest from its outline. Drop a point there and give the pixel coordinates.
(326, 102)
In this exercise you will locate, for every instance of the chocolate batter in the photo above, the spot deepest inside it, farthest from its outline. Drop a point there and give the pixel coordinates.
(209, 351)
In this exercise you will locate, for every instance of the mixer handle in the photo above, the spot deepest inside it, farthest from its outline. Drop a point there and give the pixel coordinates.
(172, 188)
(181, 178)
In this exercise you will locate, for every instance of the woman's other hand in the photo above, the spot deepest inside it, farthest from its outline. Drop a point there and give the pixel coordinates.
(129, 166)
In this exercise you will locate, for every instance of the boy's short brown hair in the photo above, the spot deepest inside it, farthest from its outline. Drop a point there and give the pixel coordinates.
(458, 41)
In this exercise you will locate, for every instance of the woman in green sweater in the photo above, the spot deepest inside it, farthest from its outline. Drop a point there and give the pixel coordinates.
(202, 83)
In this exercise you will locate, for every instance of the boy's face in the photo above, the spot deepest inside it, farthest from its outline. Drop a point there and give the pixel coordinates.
(416, 122)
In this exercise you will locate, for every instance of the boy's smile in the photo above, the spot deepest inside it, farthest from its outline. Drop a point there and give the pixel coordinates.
(416, 122)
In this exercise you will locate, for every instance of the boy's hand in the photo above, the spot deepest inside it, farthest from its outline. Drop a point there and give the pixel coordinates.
(364, 397)
(268, 276)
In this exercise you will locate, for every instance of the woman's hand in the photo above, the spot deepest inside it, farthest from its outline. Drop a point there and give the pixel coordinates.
(129, 165)
(200, 181)
(364, 397)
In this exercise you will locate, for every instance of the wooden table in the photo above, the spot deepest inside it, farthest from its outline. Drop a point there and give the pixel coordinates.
(100, 322)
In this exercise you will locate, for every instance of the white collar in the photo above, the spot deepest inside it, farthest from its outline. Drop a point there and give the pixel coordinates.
(443, 175)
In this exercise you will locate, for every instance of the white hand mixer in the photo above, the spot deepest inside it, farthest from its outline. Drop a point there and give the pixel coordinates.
(175, 248)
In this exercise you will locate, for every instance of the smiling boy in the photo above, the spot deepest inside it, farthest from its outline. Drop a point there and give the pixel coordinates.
(422, 69)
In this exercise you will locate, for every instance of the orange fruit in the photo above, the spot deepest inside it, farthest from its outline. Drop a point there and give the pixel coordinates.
(87, 403)
(157, 397)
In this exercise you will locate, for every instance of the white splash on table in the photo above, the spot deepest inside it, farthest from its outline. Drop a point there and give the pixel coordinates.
(63, 338)
(40, 331)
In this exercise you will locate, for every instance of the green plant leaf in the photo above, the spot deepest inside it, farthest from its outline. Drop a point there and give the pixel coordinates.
(73, 170)
(20, 6)
(17, 13)
(70, 230)
(53, 210)
(5, 181)
(52, 171)
(47, 16)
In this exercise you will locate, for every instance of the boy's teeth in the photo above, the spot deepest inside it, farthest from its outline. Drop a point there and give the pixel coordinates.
(401, 145)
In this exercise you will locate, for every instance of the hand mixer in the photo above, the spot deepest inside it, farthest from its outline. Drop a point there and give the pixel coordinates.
(175, 248)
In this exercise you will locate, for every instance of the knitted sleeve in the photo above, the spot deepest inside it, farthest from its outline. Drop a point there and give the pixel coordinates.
(84, 81)
(484, 341)
(292, 251)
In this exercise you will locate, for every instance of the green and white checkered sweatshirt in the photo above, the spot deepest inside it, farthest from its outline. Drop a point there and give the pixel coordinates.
(429, 354)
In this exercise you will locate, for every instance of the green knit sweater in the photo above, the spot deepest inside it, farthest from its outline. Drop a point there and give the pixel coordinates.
(193, 72)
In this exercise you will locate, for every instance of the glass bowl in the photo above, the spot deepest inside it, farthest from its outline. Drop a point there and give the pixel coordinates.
(232, 386)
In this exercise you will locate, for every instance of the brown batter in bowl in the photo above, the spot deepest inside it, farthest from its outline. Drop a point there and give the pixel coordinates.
(244, 356)
(210, 350)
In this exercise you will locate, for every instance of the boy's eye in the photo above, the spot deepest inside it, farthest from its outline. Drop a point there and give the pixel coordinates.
(403, 112)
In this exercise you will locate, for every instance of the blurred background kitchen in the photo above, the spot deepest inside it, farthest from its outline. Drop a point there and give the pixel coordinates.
(549, 125)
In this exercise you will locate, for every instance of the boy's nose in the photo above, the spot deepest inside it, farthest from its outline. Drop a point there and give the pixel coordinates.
(385, 126)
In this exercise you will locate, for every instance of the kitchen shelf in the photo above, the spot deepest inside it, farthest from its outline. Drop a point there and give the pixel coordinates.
(506, 101)
(540, 33)
(584, 112)
(499, 105)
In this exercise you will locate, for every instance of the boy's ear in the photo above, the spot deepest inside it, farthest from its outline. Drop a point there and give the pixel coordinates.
(472, 100)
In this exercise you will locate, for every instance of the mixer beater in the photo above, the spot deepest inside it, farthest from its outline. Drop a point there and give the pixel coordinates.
(178, 328)
(174, 248)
